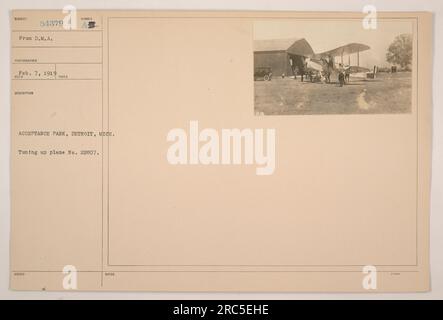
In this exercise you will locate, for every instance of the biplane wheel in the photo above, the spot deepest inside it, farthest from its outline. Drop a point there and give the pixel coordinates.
(266, 77)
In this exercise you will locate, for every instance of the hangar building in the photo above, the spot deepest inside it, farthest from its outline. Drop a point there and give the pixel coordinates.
(284, 56)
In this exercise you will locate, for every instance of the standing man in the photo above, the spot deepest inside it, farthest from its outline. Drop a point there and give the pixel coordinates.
(341, 75)
(347, 74)
(303, 68)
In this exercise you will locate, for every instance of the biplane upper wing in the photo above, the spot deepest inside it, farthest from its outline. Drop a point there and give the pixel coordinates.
(344, 50)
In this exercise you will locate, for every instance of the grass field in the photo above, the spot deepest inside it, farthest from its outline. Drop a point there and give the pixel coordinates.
(388, 93)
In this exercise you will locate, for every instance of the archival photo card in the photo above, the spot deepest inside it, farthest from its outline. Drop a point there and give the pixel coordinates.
(142, 157)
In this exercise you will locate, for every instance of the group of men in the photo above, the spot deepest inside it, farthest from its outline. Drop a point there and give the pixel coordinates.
(325, 74)
(320, 70)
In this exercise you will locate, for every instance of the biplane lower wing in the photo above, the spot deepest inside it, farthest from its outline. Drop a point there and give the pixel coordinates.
(357, 69)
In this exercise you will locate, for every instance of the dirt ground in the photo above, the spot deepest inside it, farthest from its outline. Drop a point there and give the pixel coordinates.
(388, 93)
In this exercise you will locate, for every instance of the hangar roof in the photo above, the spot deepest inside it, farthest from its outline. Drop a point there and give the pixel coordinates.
(274, 44)
(292, 45)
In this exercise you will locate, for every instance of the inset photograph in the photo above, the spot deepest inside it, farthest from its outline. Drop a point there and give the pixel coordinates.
(332, 67)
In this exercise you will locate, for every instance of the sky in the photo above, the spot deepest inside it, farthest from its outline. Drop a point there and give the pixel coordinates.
(324, 35)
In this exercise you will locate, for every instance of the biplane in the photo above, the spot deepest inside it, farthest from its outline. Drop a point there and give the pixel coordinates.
(325, 65)
(294, 56)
